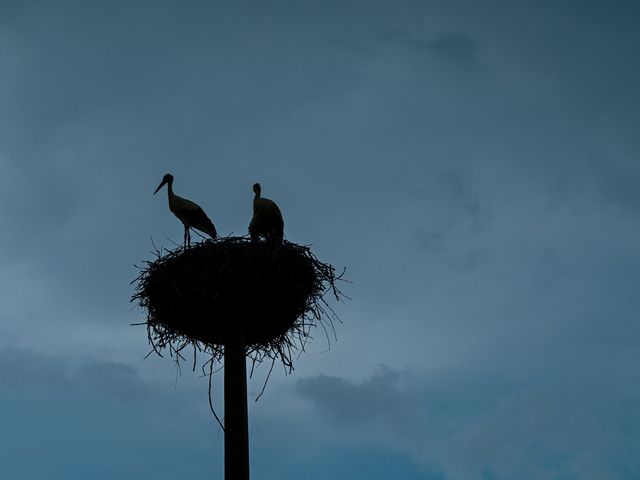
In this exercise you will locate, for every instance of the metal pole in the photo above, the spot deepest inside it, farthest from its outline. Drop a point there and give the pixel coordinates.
(236, 424)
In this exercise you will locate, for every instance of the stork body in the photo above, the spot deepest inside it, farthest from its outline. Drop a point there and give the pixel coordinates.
(188, 212)
(267, 219)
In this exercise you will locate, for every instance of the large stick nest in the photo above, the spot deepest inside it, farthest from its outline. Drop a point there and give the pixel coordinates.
(265, 295)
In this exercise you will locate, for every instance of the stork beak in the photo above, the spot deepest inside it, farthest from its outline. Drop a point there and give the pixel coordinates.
(160, 186)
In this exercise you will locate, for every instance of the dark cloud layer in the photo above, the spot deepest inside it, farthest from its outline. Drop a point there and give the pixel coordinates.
(96, 419)
(499, 427)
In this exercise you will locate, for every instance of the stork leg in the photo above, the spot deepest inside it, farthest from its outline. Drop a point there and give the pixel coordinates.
(184, 239)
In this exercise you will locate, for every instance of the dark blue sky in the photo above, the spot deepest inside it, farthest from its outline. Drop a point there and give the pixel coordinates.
(474, 165)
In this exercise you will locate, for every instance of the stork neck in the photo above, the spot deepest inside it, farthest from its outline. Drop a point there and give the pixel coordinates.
(170, 189)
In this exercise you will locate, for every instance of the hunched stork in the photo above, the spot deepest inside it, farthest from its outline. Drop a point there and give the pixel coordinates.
(267, 219)
(189, 213)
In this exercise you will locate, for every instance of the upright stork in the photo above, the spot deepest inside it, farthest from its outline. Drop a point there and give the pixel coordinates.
(189, 213)
(267, 219)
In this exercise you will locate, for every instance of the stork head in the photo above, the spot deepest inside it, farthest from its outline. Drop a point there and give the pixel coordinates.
(256, 188)
(168, 178)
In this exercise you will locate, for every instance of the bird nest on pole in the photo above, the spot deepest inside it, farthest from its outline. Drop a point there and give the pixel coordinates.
(266, 296)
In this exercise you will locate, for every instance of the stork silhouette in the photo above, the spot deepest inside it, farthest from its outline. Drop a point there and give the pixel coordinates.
(267, 218)
(188, 212)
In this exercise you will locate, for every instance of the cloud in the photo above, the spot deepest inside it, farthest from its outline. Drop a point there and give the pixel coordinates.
(352, 404)
(460, 47)
(469, 427)
(454, 46)
(454, 217)
(99, 419)
(457, 48)
(32, 374)
(618, 180)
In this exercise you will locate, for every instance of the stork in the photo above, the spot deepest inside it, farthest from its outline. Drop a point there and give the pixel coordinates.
(267, 219)
(189, 213)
